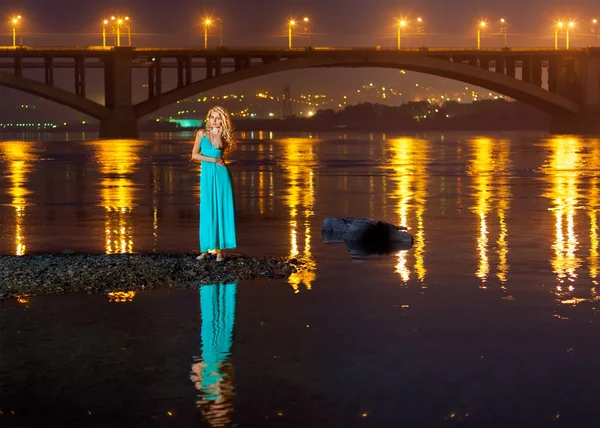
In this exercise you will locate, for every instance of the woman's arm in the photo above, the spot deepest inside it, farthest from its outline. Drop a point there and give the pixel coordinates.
(196, 155)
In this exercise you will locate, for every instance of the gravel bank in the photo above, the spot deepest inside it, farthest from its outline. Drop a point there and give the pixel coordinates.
(45, 274)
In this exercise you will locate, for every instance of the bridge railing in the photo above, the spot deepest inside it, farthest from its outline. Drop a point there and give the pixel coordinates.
(235, 49)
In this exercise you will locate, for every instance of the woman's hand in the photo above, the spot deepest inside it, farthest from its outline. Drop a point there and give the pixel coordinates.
(220, 162)
(216, 132)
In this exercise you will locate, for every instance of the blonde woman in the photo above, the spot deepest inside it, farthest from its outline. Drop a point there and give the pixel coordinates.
(217, 203)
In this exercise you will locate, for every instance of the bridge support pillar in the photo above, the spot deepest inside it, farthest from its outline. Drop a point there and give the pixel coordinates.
(582, 78)
(122, 121)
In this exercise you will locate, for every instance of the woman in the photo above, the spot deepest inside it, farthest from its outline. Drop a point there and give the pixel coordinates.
(217, 205)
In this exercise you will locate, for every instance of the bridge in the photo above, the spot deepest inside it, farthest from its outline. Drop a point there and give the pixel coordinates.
(563, 83)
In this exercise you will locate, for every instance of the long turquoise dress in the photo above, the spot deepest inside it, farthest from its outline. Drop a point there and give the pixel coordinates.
(217, 204)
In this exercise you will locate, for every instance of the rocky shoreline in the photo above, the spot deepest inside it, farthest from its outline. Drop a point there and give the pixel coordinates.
(47, 274)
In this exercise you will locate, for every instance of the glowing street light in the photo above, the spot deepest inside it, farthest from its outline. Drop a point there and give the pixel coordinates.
(420, 26)
(571, 25)
(504, 29)
(480, 27)
(104, 23)
(207, 23)
(15, 21)
(128, 30)
(119, 22)
(401, 25)
(559, 26)
(307, 28)
(291, 23)
(595, 28)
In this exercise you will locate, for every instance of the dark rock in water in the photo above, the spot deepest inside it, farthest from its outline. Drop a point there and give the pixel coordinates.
(359, 250)
(364, 236)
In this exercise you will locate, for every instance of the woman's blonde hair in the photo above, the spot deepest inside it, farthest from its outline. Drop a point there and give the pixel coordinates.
(227, 134)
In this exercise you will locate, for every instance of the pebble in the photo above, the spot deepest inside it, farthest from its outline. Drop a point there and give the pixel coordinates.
(69, 272)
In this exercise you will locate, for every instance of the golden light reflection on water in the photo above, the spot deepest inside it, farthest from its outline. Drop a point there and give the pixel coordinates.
(118, 160)
(19, 157)
(593, 207)
(562, 169)
(491, 190)
(121, 296)
(573, 162)
(298, 163)
(409, 159)
(24, 299)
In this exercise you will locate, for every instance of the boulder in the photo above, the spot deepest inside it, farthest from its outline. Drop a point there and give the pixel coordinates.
(366, 236)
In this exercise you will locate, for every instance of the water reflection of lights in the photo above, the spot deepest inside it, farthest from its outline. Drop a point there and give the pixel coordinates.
(20, 156)
(593, 207)
(409, 158)
(481, 168)
(24, 299)
(121, 296)
(569, 162)
(212, 372)
(562, 169)
(298, 163)
(118, 159)
(490, 158)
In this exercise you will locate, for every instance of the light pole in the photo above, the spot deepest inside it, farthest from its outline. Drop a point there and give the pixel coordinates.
(559, 26)
(119, 22)
(220, 32)
(128, 31)
(571, 25)
(207, 22)
(104, 22)
(15, 21)
(504, 30)
(480, 27)
(307, 29)
(401, 24)
(420, 26)
(290, 25)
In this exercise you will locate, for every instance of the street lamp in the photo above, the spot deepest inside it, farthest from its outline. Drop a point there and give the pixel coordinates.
(128, 30)
(104, 22)
(480, 27)
(307, 28)
(595, 28)
(401, 24)
(559, 26)
(420, 26)
(220, 32)
(571, 25)
(290, 25)
(15, 21)
(504, 30)
(119, 22)
(207, 22)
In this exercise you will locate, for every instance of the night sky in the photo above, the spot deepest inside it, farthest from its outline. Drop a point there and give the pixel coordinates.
(263, 22)
(334, 23)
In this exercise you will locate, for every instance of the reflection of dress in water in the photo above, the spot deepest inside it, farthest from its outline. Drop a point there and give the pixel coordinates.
(212, 374)
(217, 205)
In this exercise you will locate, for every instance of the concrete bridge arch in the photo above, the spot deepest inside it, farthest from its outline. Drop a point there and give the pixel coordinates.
(527, 93)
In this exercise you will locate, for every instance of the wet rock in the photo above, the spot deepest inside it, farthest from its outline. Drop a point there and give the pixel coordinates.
(43, 274)
(364, 236)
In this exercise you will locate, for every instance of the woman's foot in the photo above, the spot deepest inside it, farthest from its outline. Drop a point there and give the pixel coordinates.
(220, 256)
(202, 256)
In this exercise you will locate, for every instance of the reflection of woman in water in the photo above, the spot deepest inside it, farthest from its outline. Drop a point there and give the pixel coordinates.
(217, 205)
(212, 374)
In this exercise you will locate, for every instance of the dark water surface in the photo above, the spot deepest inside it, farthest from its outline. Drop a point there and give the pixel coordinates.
(490, 320)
